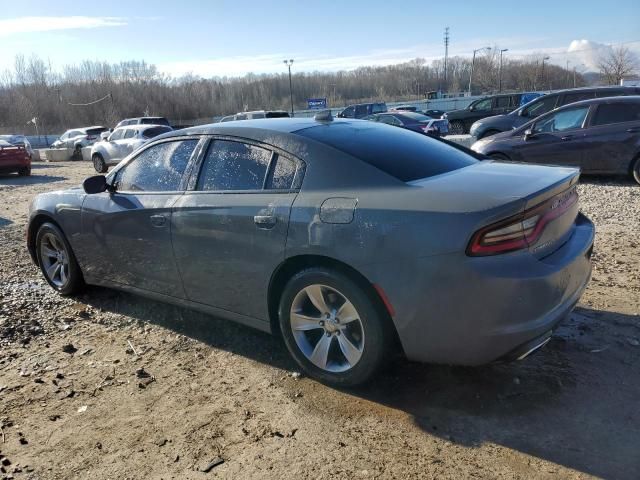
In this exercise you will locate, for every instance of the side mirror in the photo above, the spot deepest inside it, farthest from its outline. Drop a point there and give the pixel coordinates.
(104, 135)
(471, 108)
(96, 184)
(528, 134)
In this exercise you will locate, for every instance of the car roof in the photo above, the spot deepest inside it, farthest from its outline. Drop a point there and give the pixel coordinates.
(596, 101)
(84, 129)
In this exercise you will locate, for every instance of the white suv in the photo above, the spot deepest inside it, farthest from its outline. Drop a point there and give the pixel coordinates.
(121, 142)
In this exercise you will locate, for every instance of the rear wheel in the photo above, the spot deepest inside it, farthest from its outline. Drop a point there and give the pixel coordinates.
(77, 153)
(635, 169)
(25, 171)
(332, 328)
(57, 261)
(99, 164)
(456, 128)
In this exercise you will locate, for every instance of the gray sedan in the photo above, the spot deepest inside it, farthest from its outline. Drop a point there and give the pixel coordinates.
(352, 240)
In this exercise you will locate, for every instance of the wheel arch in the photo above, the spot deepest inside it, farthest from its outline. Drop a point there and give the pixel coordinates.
(32, 230)
(292, 265)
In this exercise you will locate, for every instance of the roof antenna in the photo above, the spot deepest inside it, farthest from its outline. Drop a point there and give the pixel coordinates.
(323, 116)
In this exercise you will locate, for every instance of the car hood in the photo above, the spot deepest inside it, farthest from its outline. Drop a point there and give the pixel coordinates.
(460, 113)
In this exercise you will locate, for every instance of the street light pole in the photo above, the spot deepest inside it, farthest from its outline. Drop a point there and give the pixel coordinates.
(543, 59)
(500, 71)
(473, 61)
(288, 63)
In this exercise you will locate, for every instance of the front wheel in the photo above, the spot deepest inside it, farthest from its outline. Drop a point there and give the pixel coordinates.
(57, 261)
(333, 329)
(635, 169)
(456, 128)
(99, 164)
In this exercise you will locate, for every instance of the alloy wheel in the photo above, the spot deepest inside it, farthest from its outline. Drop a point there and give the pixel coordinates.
(55, 259)
(327, 328)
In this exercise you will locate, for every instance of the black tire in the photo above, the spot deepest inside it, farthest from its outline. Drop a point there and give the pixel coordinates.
(74, 280)
(99, 164)
(77, 153)
(488, 133)
(376, 335)
(635, 169)
(456, 128)
(24, 172)
(499, 156)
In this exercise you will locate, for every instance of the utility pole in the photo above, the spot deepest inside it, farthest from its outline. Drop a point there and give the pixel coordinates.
(446, 57)
(568, 73)
(473, 61)
(500, 70)
(288, 63)
(574, 76)
(543, 59)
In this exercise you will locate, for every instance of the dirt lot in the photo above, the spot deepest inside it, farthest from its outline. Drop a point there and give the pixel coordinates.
(214, 390)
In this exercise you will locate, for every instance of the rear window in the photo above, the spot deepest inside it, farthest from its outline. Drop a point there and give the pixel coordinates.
(401, 153)
(417, 117)
(608, 114)
(155, 121)
(277, 115)
(96, 131)
(155, 131)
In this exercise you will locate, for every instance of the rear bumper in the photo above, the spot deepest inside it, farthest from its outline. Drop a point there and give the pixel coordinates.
(472, 311)
(13, 165)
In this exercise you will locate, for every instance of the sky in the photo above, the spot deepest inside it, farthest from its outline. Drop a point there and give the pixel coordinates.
(232, 38)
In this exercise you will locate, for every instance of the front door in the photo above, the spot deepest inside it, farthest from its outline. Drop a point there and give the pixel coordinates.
(229, 232)
(556, 138)
(127, 234)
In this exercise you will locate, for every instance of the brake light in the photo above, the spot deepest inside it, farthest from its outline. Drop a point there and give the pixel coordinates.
(522, 230)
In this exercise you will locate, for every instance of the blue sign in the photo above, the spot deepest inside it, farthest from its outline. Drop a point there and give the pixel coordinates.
(317, 103)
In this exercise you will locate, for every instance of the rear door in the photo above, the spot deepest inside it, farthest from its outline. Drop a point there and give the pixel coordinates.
(127, 234)
(229, 230)
(557, 138)
(502, 105)
(612, 137)
(573, 97)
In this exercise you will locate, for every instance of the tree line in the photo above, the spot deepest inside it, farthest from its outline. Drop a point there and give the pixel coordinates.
(101, 93)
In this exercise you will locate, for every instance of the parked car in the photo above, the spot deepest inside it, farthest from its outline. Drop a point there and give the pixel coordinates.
(18, 140)
(598, 136)
(503, 123)
(412, 121)
(143, 121)
(361, 110)
(14, 158)
(460, 120)
(405, 108)
(434, 113)
(78, 138)
(348, 238)
(257, 114)
(121, 142)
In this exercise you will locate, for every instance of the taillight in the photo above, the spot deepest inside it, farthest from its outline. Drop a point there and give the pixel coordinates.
(522, 230)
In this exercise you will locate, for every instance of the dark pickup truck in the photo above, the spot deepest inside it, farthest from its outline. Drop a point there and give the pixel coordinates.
(460, 121)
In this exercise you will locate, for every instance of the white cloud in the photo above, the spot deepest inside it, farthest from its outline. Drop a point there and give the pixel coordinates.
(13, 26)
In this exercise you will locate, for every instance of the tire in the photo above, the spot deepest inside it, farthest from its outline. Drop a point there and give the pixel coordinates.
(99, 164)
(488, 133)
(365, 337)
(77, 153)
(499, 156)
(57, 261)
(24, 172)
(635, 169)
(456, 128)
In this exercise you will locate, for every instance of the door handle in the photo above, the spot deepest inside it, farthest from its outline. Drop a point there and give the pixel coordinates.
(633, 129)
(265, 221)
(566, 138)
(158, 220)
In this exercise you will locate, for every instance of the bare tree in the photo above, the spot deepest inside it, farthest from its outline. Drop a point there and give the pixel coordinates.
(617, 64)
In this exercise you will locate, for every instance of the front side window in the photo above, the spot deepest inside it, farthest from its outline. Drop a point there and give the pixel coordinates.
(232, 165)
(503, 102)
(348, 112)
(565, 120)
(159, 168)
(611, 113)
(117, 134)
(540, 107)
(482, 105)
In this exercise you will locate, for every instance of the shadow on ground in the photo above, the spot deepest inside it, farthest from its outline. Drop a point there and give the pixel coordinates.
(17, 180)
(575, 403)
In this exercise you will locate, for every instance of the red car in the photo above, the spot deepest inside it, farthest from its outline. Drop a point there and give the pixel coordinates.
(14, 158)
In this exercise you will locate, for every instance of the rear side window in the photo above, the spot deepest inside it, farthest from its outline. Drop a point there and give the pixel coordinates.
(616, 113)
(283, 174)
(155, 131)
(129, 133)
(159, 168)
(379, 108)
(234, 166)
(362, 111)
(576, 97)
(540, 107)
(398, 152)
(503, 102)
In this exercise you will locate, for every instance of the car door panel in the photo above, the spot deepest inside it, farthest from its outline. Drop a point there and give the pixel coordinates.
(239, 239)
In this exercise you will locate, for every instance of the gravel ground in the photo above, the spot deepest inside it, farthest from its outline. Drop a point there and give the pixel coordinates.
(108, 385)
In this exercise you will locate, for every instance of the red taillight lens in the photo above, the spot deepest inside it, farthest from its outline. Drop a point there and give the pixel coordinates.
(520, 231)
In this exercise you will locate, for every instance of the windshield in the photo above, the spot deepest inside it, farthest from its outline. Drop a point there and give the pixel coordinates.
(416, 117)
